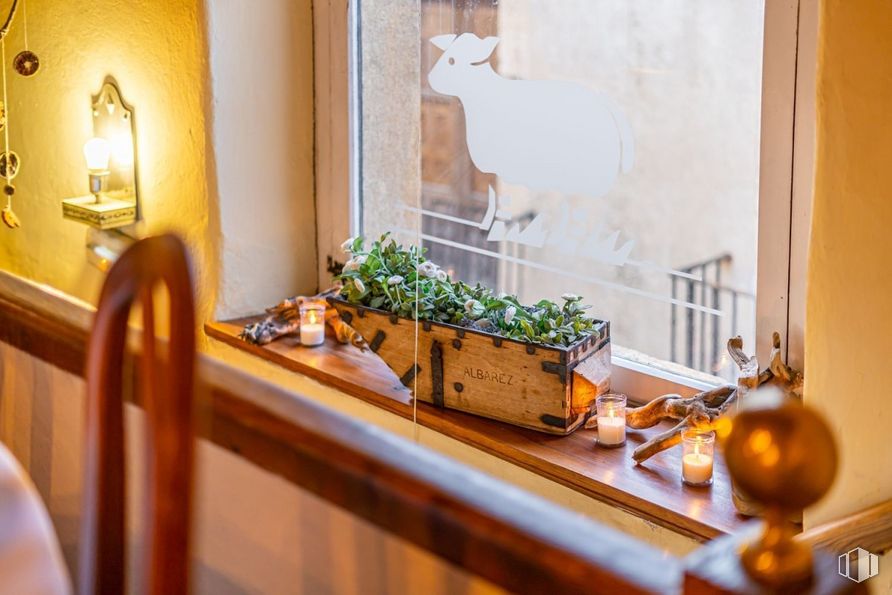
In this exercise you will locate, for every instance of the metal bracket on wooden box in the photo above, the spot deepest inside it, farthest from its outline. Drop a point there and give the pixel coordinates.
(375, 345)
(559, 369)
(437, 393)
(406, 378)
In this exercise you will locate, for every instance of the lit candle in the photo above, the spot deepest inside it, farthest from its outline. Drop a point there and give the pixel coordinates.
(611, 430)
(611, 412)
(312, 324)
(697, 457)
(697, 468)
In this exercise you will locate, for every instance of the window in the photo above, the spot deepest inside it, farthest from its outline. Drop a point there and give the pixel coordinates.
(633, 153)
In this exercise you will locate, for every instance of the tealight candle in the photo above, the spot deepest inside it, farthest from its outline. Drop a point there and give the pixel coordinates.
(312, 324)
(697, 457)
(611, 412)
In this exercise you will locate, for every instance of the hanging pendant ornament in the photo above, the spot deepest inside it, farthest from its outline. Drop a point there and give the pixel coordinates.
(9, 218)
(26, 63)
(9, 165)
(9, 161)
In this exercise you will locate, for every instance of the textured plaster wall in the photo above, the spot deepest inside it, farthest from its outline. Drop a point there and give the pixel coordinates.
(224, 146)
(391, 133)
(849, 309)
(262, 103)
(157, 53)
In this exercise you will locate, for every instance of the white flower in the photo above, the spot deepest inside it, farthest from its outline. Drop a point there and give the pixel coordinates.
(359, 285)
(442, 276)
(474, 308)
(395, 280)
(354, 263)
(427, 269)
(510, 311)
(570, 297)
(347, 246)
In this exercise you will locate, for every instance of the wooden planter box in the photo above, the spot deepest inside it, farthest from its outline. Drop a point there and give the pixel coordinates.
(542, 387)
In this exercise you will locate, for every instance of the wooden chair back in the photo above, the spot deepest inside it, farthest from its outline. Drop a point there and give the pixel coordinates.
(166, 392)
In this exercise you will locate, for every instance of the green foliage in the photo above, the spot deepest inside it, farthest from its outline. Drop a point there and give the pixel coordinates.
(387, 275)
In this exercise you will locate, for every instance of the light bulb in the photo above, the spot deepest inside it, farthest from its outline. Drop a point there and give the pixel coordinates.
(97, 152)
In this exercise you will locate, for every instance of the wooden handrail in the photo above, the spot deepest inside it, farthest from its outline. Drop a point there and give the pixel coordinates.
(491, 529)
(870, 529)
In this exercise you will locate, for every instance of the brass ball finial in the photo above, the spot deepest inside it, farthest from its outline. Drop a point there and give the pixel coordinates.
(782, 455)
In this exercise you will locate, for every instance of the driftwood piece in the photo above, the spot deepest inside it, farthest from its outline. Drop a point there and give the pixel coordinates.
(703, 410)
(284, 319)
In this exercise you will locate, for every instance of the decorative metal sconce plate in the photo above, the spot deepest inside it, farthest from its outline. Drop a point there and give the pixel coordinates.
(119, 204)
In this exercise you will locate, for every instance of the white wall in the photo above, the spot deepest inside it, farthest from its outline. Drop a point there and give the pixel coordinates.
(261, 62)
(849, 312)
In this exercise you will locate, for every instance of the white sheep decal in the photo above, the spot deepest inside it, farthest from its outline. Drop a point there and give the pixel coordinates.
(545, 135)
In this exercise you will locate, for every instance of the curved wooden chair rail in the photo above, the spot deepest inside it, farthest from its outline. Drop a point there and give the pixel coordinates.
(167, 399)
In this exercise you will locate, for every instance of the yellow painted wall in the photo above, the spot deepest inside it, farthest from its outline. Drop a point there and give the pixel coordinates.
(224, 146)
(849, 308)
(157, 53)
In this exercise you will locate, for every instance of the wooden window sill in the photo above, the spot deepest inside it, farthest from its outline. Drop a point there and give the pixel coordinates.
(652, 491)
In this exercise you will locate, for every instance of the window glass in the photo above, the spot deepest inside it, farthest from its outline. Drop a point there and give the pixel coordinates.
(606, 148)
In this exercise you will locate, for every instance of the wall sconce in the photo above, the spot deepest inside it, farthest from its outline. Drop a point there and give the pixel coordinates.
(111, 166)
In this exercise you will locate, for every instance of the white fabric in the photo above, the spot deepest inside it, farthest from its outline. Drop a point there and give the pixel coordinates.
(31, 560)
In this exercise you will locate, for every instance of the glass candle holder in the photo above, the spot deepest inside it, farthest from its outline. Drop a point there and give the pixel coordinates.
(611, 412)
(312, 323)
(698, 449)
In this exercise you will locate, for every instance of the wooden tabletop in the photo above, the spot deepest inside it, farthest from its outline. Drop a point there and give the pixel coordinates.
(652, 491)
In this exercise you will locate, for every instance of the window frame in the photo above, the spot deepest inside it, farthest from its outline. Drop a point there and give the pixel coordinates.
(786, 168)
